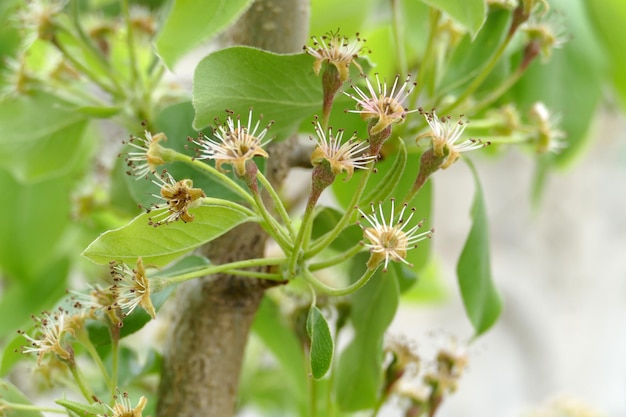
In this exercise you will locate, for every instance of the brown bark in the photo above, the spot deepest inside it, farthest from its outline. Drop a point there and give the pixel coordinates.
(280, 26)
(212, 317)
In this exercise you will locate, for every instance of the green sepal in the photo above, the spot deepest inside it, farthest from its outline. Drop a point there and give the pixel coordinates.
(85, 410)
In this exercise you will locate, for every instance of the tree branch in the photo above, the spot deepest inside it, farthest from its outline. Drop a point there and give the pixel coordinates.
(212, 318)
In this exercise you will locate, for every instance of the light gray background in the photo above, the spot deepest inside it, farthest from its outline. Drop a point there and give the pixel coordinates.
(561, 271)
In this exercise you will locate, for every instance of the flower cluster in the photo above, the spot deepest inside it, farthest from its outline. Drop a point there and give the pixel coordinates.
(130, 288)
(421, 391)
(234, 144)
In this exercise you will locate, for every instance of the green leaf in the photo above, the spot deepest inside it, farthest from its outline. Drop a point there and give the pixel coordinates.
(480, 298)
(423, 203)
(322, 345)
(430, 288)
(470, 56)
(121, 196)
(608, 19)
(284, 345)
(12, 352)
(470, 14)
(152, 364)
(348, 15)
(381, 41)
(100, 112)
(86, 410)
(282, 88)
(264, 385)
(385, 187)
(191, 23)
(129, 365)
(415, 18)
(326, 219)
(11, 393)
(381, 185)
(379, 33)
(41, 139)
(22, 298)
(406, 276)
(359, 370)
(36, 217)
(265, 393)
(161, 245)
(9, 35)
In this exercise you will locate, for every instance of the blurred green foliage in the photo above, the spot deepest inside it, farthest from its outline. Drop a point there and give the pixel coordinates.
(60, 191)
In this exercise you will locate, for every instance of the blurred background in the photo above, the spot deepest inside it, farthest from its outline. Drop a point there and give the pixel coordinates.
(559, 265)
(561, 271)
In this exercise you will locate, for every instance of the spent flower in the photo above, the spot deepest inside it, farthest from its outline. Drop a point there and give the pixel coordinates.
(39, 16)
(16, 77)
(380, 106)
(403, 352)
(389, 239)
(96, 303)
(179, 196)
(452, 30)
(452, 359)
(50, 329)
(548, 138)
(546, 30)
(342, 157)
(505, 4)
(450, 363)
(507, 119)
(143, 21)
(535, 6)
(132, 287)
(565, 405)
(234, 144)
(337, 50)
(124, 408)
(102, 31)
(147, 156)
(416, 393)
(445, 134)
(403, 360)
